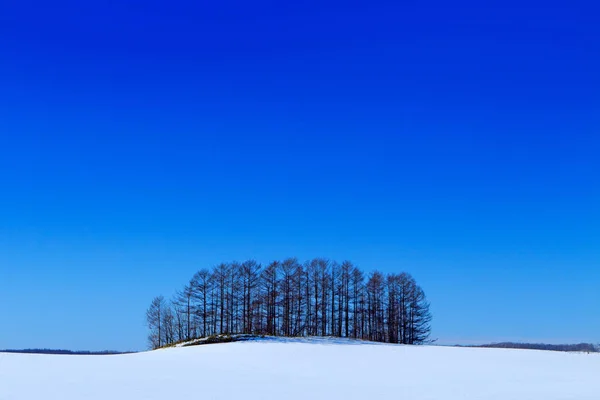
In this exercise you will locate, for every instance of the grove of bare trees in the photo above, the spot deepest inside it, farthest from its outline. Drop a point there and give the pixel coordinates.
(289, 298)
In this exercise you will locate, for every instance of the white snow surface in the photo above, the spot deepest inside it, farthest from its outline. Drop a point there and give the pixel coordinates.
(294, 369)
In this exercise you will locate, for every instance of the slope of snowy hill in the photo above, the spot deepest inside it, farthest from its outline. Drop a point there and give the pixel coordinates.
(295, 369)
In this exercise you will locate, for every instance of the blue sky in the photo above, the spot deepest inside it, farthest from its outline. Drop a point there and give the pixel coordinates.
(141, 141)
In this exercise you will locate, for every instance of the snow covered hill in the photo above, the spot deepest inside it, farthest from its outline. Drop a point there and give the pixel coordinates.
(304, 369)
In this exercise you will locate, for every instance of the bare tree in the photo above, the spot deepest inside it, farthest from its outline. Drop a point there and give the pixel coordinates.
(154, 318)
(168, 325)
(270, 287)
(221, 280)
(358, 303)
(344, 289)
(183, 304)
(201, 295)
(249, 278)
(420, 316)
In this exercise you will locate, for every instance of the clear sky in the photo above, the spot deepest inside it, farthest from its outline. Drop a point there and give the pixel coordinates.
(141, 141)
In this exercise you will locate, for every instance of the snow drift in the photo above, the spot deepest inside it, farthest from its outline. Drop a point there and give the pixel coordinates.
(304, 369)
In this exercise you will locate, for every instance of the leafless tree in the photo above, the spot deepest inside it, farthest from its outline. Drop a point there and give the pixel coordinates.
(154, 319)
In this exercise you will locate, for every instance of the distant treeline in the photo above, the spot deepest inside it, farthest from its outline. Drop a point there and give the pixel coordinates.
(289, 298)
(584, 347)
(64, 352)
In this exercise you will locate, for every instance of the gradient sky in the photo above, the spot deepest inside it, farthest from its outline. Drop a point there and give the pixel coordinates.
(141, 141)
